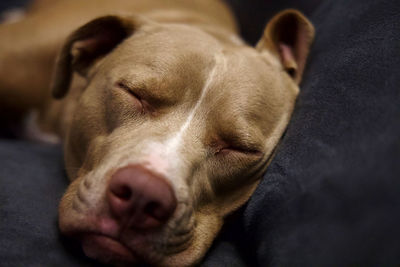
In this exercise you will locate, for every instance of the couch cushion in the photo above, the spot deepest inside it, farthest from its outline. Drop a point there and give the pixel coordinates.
(332, 193)
(32, 182)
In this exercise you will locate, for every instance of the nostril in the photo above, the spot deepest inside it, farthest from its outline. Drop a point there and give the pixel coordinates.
(123, 192)
(155, 210)
(151, 207)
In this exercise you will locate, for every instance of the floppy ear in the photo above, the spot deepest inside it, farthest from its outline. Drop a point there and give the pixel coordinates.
(87, 44)
(289, 36)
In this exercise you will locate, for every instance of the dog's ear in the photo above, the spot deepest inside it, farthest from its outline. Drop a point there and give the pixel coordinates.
(87, 44)
(289, 35)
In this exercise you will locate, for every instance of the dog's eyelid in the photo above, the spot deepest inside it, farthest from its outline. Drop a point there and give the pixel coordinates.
(128, 88)
(142, 92)
(243, 141)
(244, 150)
(239, 147)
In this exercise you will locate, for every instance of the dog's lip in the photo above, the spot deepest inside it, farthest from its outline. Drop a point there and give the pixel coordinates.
(101, 238)
(101, 246)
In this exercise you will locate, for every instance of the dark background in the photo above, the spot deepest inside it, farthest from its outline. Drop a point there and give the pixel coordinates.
(251, 14)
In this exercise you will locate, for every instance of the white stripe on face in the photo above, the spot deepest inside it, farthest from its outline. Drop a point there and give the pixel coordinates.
(163, 157)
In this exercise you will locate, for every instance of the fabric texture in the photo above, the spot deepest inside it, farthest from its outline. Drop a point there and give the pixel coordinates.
(331, 195)
(32, 182)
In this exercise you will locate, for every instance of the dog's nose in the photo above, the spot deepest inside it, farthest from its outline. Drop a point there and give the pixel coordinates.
(139, 198)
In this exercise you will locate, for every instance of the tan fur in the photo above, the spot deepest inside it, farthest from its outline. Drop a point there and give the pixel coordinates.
(212, 109)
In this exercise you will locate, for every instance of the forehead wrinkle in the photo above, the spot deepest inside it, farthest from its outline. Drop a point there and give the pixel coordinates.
(165, 80)
(240, 102)
(170, 147)
(220, 60)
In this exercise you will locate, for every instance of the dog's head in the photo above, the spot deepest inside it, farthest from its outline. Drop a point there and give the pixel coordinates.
(172, 131)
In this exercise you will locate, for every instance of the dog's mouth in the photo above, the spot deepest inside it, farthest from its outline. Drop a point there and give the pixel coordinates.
(104, 240)
(107, 249)
(127, 251)
(113, 229)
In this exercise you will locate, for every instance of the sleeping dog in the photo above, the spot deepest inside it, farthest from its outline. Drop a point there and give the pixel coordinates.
(168, 119)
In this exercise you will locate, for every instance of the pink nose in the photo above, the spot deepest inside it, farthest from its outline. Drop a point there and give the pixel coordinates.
(139, 198)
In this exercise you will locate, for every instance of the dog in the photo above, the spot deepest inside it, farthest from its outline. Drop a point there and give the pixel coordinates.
(167, 117)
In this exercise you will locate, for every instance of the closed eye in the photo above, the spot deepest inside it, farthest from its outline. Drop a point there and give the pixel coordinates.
(126, 88)
(138, 101)
(243, 151)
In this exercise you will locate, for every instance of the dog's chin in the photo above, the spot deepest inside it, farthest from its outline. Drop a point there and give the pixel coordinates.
(107, 250)
(108, 244)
